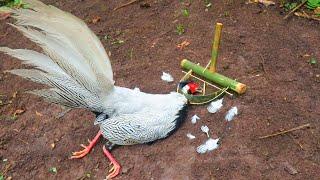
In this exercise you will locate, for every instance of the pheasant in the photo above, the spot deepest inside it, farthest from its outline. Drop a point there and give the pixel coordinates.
(78, 72)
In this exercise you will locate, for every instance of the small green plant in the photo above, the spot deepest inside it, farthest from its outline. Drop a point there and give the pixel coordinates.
(313, 61)
(289, 6)
(53, 170)
(185, 12)
(1, 176)
(207, 3)
(313, 4)
(13, 4)
(226, 14)
(117, 42)
(180, 29)
(114, 41)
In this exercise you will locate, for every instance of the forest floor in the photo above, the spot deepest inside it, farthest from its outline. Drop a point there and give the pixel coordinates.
(258, 48)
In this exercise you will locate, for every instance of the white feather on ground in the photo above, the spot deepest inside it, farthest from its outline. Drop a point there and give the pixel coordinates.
(194, 119)
(166, 77)
(190, 136)
(205, 129)
(231, 113)
(209, 145)
(215, 106)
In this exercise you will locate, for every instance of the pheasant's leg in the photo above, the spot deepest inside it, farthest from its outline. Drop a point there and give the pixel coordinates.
(115, 170)
(86, 149)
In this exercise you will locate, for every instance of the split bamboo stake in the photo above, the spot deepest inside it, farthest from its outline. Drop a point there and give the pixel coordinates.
(215, 47)
(286, 131)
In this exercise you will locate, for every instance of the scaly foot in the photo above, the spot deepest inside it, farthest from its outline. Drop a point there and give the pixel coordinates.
(115, 169)
(87, 149)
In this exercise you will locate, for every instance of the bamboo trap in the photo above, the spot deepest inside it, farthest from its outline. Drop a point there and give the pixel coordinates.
(209, 72)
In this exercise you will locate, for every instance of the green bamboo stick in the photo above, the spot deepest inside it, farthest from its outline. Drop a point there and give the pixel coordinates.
(214, 77)
(215, 47)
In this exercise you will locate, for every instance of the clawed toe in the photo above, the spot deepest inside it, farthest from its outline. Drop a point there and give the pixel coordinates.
(114, 171)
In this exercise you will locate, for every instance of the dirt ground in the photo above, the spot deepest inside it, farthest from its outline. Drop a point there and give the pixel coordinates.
(258, 48)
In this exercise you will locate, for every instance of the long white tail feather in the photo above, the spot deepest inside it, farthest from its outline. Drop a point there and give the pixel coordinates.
(66, 58)
(34, 58)
(76, 65)
(31, 74)
(68, 90)
(68, 29)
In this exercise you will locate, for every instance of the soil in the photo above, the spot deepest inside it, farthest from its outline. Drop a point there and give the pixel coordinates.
(258, 48)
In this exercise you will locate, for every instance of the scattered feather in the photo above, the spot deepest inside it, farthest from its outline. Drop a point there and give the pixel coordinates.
(209, 145)
(166, 77)
(95, 19)
(215, 106)
(205, 129)
(39, 114)
(190, 136)
(194, 119)
(136, 89)
(231, 113)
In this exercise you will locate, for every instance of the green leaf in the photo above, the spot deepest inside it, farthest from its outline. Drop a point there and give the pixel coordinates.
(313, 61)
(53, 170)
(290, 6)
(185, 12)
(312, 4)
(1, 177)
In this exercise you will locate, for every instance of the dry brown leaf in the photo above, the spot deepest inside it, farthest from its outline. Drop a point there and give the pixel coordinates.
(52, 145)
(39, 114)
(264, 2)
(18, 112)
(95, 19)
(317, 10)
(4, 16)
(14, 95)
(184, 44)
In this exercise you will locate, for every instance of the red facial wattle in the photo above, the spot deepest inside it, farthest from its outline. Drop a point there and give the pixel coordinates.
(193, 87)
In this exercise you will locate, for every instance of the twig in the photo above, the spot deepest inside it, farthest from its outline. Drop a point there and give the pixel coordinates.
(294, 9)
(126, 4)
(286, 131)
(305, 15)
(262, 64)
(23, 141)
(5, 34)
(296, 141)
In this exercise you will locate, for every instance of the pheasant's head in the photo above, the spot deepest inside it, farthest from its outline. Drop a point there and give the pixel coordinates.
(189, 87)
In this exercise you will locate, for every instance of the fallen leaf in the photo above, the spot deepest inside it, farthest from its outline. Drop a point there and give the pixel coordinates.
(18, 112)
(184, 44)
(264, 2)
(4, 16)
(95, 19)
(39, 114)
(317, 10)
(52, 145)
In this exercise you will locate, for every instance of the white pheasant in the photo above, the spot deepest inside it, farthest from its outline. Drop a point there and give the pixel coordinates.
(77, 69)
